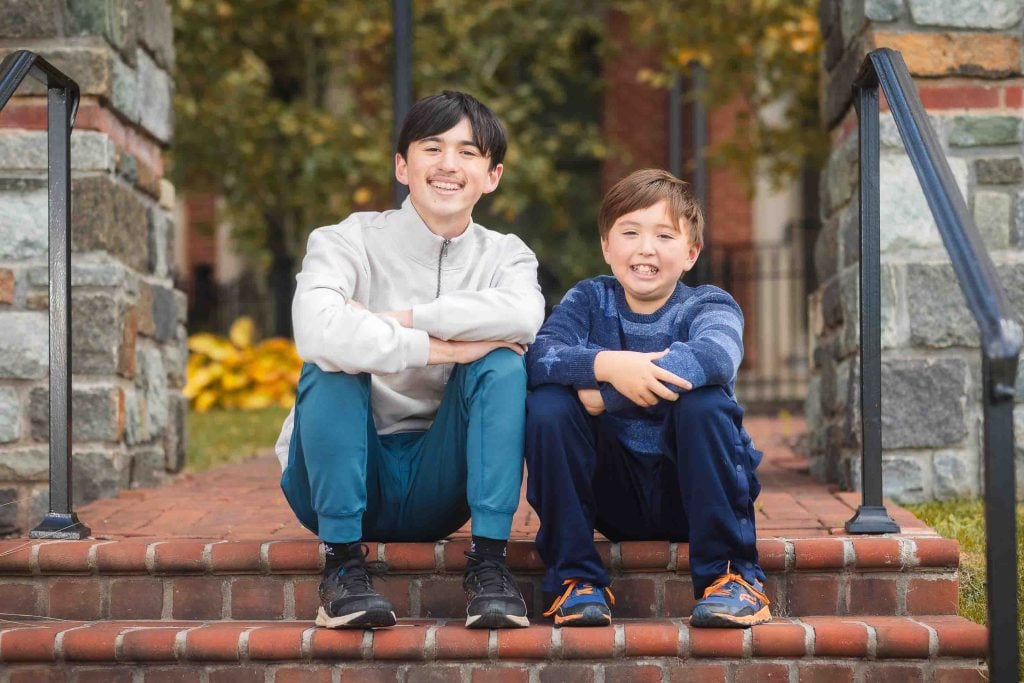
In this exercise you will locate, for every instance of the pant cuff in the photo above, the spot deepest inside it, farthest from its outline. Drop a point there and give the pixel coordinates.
(491, 524)
(343, 529)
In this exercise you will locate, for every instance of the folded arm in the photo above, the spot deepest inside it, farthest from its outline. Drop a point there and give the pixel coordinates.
(560, 354)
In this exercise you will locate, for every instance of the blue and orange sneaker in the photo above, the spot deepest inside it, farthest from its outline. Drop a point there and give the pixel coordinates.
(582, 604)
(731, 602)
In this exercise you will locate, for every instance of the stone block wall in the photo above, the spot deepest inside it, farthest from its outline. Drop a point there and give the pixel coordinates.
(128, 334)
(965, 58)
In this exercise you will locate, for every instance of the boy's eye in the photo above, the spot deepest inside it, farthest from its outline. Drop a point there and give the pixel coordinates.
(468, 153)
(432, 148)
(629, 233)
(667, 236)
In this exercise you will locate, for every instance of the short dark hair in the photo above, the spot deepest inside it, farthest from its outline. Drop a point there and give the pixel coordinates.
(435, 114)
(642, 189)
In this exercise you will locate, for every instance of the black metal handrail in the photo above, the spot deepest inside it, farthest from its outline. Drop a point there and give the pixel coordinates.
(62, 105)
(1000, 337)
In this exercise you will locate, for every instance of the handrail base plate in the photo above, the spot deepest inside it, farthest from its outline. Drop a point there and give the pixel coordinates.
(61, 526)
(872, 519)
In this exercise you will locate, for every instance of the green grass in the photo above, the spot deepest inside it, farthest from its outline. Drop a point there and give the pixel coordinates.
(219, 437)
(964, 520)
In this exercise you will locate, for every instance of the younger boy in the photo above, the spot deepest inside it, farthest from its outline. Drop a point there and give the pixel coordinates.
(632, 427)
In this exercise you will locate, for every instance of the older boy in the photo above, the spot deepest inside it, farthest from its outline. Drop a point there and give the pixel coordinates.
(410, 409)
(632, 427)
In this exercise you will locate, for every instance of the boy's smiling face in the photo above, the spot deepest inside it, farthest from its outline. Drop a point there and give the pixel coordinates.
(447, 174)
(648, 251)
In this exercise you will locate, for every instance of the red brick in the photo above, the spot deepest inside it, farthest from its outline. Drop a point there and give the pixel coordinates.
(176, 557)
(522, 556)
(36, 674)
(934, 551)
(634, 597)
(30, 644)
(75, 599)
(149, 644)
(877, 553)
(957, 636)
(779, 639)
(816, 672)
(893, 673)
(705, 672)
(216, 642)
(959, 97)
(21, 598)
(838, 637)
(337, 644)
(644, 555)
(307, 597)
(295, 556)
(716, 642)
(397, 589)
(294, 674)
(178, 674)
(409, 556)
(871, 595)
(15, 555)
(199, 597)
(277, 642)
(679, 600)
(762, 671)
(1015, 97)
(434, 674)
(457, 642)
(235, 557)
(632, 673)
(136, 598)
(587, 643)
(567, 673)
(257, 598)
(455, 558)
(651, 639)
(604, 551)
(505, 674)
(952, 674)
(932, 596)
(899, 637)
(107, 674)
(239, 673)
(372, 674)
(771, 554)
(65, 557)
(818, 553)
(813, 594)
(91, 644)
(6, 286)
(525, 643)
(442, 598)
(682, 557)
(127, 557)
(404, 643)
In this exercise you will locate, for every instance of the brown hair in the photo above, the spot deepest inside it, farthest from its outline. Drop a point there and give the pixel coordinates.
(643, 189)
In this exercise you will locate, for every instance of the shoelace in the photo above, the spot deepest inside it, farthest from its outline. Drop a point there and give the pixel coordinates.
(356, 571)
(718, 587)
(493, 576)
(584, 589)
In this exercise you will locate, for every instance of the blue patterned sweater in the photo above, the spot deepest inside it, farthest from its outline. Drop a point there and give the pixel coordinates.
(702, 328)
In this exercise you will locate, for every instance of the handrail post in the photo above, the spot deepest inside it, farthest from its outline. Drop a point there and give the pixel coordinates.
(871, 516)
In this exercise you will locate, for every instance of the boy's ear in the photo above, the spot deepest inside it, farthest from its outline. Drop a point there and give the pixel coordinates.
(604, 249)
(401, 169)
(493, 178)
(692, 257)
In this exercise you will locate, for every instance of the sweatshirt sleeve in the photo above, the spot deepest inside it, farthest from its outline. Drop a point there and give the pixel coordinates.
(714, 347)
(512, 309)
(332, 333)
(560, 354)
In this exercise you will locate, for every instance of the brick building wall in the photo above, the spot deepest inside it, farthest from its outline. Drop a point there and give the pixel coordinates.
(966, 62)
(128, 335)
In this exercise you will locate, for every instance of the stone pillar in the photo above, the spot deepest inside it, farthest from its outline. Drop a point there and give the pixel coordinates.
(965, 58)
(128, 334)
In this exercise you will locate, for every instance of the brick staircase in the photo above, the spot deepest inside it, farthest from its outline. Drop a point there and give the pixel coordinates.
(215, 597)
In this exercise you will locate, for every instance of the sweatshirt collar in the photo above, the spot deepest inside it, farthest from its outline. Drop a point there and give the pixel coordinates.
(678, 294)
(413, 238)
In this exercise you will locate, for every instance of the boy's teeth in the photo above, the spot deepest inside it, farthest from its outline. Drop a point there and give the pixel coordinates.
(645, 269)
(445, 186)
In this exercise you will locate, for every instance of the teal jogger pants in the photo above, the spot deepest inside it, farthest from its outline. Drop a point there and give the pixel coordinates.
(345, 482)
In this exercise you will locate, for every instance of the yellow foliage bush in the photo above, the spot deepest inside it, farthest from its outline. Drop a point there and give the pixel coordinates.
(235, 372)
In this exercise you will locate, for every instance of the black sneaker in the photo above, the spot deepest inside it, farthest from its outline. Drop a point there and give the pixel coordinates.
(348, 599)
(494, 597)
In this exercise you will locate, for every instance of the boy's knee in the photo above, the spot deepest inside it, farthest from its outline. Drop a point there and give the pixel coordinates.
(703, 403)
(339, 386)
(551, 404)
(502, 365)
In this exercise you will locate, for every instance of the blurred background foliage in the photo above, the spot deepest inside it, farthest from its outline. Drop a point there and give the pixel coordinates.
(284, 106)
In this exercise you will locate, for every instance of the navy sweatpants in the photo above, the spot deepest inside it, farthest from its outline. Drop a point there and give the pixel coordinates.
(700, 489)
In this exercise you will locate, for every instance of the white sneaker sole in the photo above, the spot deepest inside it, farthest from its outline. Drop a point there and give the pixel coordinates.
(354, 620)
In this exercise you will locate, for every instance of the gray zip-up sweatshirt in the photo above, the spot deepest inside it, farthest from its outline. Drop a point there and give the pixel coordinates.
(481, 285)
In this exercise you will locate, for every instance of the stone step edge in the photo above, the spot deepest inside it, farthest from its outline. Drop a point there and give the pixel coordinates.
(177, 556)
(857, 637)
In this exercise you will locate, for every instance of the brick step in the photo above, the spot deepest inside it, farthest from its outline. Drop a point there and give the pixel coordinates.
(934, 648)
(232, 580)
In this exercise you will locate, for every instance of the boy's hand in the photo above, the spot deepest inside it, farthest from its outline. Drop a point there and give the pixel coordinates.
(463, 352)
(592, 401)
(636, 376)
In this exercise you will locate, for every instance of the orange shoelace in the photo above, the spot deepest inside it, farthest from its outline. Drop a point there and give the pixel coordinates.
(718, 587)
(585, 590)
